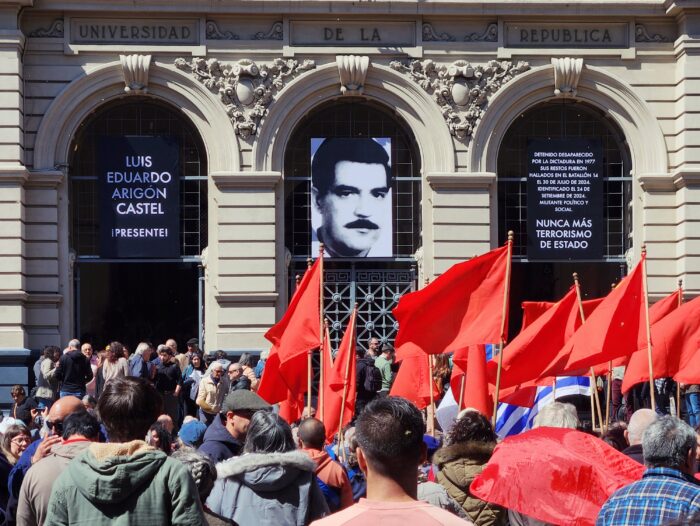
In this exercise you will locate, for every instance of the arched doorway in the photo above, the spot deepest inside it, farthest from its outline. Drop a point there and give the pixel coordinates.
(375, 280)
(143, 293)
(561, 123)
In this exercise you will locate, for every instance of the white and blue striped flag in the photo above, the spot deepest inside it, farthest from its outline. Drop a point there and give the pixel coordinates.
(513, 419)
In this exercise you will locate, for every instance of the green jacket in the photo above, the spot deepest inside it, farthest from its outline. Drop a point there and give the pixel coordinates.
(122, 484)
(384, 367)
(458, 465)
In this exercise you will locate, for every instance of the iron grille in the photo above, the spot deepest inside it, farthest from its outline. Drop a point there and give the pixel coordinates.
(376, 291)
(137, 116)
(560, 121)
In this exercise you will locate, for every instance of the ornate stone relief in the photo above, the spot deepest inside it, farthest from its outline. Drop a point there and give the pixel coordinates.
(245, 88)
(135, 69)
(490, 35)
(275, 33)
(642, 35)
(430, 35)
(353, 72)
(462, 90)
(567, 72)
(214, 33)
(55, 30)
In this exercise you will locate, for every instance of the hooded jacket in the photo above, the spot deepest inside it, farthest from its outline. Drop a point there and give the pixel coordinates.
(332, 474)
(121, 484)
(218, 443)
(38, 482)
(268, 489)
(458, 465)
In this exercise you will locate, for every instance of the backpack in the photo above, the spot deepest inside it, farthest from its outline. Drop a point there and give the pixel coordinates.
(357, 482)
(373, 378)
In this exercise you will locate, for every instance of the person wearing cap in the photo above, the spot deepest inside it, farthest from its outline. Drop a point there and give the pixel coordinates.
(192, 432)
(226, 434)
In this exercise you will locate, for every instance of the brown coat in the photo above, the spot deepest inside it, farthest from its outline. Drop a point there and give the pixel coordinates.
(458, 465)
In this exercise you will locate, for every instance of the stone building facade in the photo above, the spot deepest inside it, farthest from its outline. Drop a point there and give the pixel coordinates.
(246, 84)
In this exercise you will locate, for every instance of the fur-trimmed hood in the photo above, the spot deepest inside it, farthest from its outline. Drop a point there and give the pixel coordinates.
(472, 452)
(266, 471)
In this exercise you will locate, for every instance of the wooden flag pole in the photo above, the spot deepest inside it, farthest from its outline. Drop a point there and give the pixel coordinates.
(431, 408)
(309, 364)
(325, 355)
(595, 402)
(345, 379)
(462, 384)
(506, 294)
(678, 385)
(648, 327)
(608, 396)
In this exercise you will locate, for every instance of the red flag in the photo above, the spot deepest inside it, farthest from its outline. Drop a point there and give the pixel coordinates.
(472, 361)
(462, 307)
(413, 381)
(341, 374)
(559, 476)
(476, 393)
(534, 309)
(675, 341)
(284, 384)
(615, 329)
(535, 348)
(298, 331)
(292, 408)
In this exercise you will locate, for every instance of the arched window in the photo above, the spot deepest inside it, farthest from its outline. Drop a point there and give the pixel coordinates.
(375, 283)
(133, 299)
(549, 280)
(145, 117)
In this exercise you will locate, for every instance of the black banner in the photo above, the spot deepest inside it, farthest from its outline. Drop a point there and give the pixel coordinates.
(139, 197)
(565, 199)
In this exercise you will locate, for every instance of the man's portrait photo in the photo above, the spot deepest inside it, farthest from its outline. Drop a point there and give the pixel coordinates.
(351, 197)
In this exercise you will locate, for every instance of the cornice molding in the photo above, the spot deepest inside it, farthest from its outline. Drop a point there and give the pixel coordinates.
(484, 180)
(232, 180)
(45, 178)
(245, 299)
(670, 182)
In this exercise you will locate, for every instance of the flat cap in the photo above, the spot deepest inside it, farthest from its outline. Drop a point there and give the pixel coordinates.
(244, 400)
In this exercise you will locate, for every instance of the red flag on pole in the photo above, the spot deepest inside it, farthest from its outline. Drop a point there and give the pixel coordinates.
(461, 307)
(560, 476)
(657, 311)
(535, 348)
(476, 384)
(534, 309)
(413, 380)
(341, 382)
(616, 328)
(298, 330)
(285, 374)
(676, 339)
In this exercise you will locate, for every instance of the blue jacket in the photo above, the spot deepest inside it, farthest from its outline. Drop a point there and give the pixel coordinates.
(138, 367)
(218, 443)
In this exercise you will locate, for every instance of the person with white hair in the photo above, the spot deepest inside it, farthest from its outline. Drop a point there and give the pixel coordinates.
(557, 414)
(641, 419)
(667, 490)
(138, 362)
(211, 392)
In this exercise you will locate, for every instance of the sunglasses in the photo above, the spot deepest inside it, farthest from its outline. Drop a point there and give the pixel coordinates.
(56, 425)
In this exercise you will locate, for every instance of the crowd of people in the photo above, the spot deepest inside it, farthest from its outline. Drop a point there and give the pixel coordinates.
(161, 436)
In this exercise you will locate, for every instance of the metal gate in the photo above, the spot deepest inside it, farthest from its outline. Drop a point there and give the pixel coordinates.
(376, 291)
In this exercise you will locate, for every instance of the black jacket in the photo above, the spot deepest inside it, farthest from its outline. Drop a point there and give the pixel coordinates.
(218, 443)
(362, 364)
(635, 453)
(74, 371)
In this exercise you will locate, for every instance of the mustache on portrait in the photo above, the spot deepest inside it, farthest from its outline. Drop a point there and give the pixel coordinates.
(362, 223)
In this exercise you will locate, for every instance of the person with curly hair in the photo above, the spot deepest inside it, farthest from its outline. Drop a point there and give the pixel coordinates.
(468, 447)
